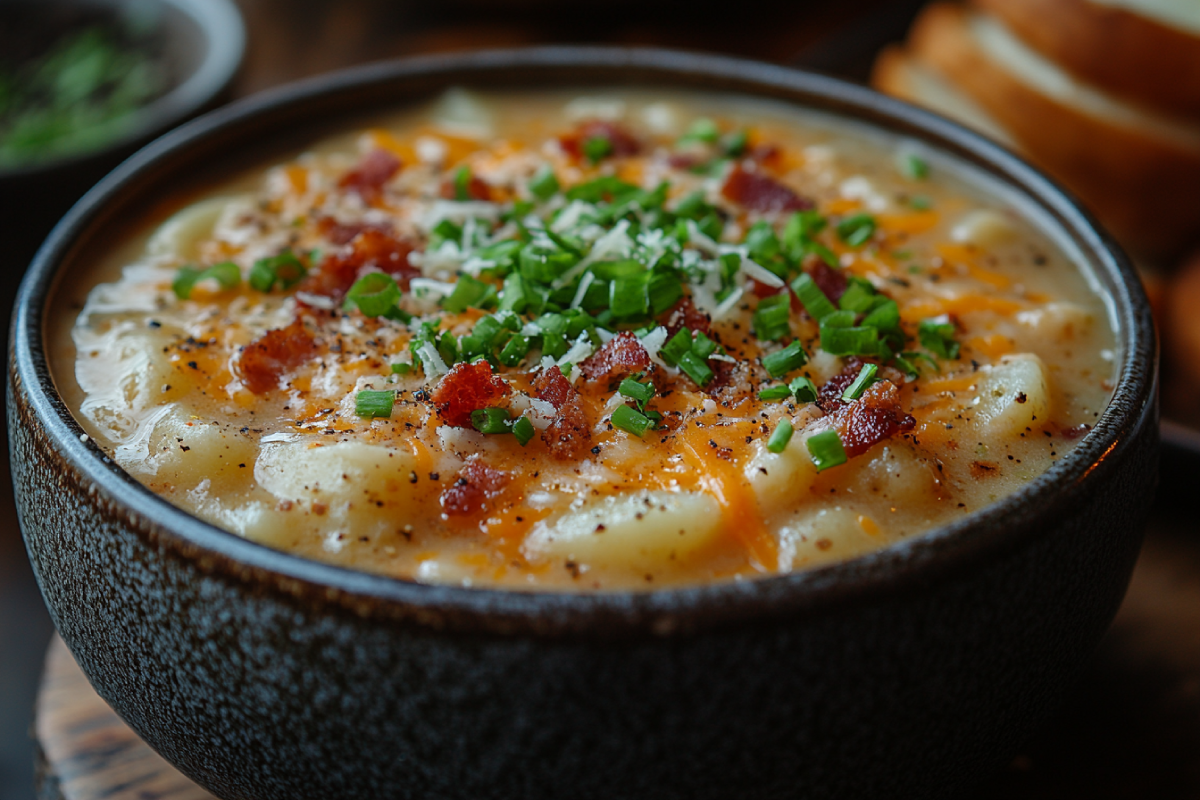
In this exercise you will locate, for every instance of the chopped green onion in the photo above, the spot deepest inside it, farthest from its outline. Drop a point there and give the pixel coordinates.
(444, 231)
(544, 183)
(627, 419)
(762, 242)
(468, 293)
(850, 341)
(695, 368)
(491, 420)
(374, 404)
(734, 144)
(513, 296)
(598, 189)
(775, 393)
(885, 316)
(802, 226)
(838, 319)
(283, 270)
(462, 183)
(374, 294)
(693, 206)
(771, 318)
(859, 296)
(866, 376)
(703, 346)
(641, 392)
(804, 389)
(812, 298)
(780, 437)
(913, 167)
(629, 297)
(612, 270)
(674, 349)
(920, 202)
(702, 130)
(486, 330)
(784, 361)
(596, 148)
(515, 350)
(937, 336)
(856, 230)
(226, 274)
(185, 279)
(447, 347)
(401, 368)
(544, 264)
(826, 450)
(664, 291)
(554, 345)
(523, 430)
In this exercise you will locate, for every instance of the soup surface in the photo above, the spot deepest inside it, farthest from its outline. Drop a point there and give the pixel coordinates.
(611, 341)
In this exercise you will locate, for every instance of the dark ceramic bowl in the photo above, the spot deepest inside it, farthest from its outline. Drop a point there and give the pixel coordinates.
(905, 672)
(205, 41)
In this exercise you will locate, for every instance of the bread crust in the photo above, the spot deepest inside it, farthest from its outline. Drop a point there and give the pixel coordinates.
(888, 74)
(1142, 186)
(1181, 328)
(1129, 55)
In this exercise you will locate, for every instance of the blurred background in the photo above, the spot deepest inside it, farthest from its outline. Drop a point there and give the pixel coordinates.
(1103, 94)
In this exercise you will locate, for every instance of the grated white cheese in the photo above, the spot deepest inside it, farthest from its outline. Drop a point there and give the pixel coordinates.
(582, 348)
(728, 303)
(431, 360)
(758, 272)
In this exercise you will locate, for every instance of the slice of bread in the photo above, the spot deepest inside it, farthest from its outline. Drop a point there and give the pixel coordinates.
(899, 75)
(1146, 51)
(1139, 171)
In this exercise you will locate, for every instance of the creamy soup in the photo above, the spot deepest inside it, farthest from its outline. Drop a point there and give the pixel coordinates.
(613, 341)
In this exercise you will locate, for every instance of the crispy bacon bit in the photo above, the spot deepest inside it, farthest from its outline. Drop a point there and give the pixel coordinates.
(829, 280)
(474, 487)
(569, 434)
(342, 234)
(477, 189)
(683, 161)
(553, 387)
(622, 141)
(829, 396)
(724, 374)
(370, 248)
(467, 388)
(621, 355)
(264, 361)
(684, 314)
(766, 155)
(368, 178)
(871, 418)
(759, 192)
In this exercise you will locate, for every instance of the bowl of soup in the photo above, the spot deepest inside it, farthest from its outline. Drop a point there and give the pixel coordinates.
(593, 421)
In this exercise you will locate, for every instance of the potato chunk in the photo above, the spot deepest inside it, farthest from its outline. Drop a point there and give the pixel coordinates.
(819, 535)
(178, 236)
(639, 531)
(1013, 395)
(777, 479)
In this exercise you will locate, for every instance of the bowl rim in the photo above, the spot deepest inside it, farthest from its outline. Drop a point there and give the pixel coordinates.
(224, 33)
(910, 565)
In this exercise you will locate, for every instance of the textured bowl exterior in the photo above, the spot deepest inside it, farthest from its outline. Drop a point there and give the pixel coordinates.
(260, 675)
